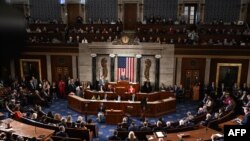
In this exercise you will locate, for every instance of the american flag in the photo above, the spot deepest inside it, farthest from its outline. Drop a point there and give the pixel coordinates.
(126, 67)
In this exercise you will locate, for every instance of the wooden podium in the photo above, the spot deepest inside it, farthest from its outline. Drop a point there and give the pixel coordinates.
(122, 86)
(113, 116)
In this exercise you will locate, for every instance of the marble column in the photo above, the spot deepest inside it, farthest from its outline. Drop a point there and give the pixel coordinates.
(74, 67)
(157, 72)
(178, 70)
(112, 67)
(93, 68)
(207, 71)
(48, 62)
(138, 68)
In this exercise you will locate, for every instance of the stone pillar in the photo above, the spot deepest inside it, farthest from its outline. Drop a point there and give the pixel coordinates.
(157, 72)
(141, 5)
(74, 67)
(64, 14)
(207, 71)
(112, 67)
(93, 68)
(243, 10)
(178, 70)
(138, 68)
(120, 10)
(48, 63)
(83, 12)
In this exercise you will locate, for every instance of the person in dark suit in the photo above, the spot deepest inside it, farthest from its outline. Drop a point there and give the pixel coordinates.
(132, 127)
(246, 119)
(147, 88)
(144, 105)
(31, 86)
(114, 136)
(71, 86)
(145, 127)
(61, 132)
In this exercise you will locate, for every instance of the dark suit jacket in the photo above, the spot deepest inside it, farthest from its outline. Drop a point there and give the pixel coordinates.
(114, 138)
(246, 119)
(61, 134)
(145, 128)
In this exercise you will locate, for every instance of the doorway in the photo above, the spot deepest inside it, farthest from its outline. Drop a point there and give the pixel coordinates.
(190, 12)
(130, 16)
(191, 78)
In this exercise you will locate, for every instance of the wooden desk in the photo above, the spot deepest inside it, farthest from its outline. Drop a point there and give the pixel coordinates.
(155, 108)
(114, 116)
(230, 122)
(25, 130)
(153, 96)
(124, 84)
(201, 133)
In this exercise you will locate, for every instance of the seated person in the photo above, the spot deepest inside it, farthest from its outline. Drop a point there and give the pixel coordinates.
(123, 76)
(133, 127)
(61, 132)
(207, 120)
(110, 88)
(131, 136)
(100, 113)
(79, 122)
(145, 127)
(131, 89)
(246, 119)
(158, 126)
(168, 126)
(217, 137)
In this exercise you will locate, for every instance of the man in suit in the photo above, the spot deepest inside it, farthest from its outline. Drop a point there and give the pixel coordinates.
(246, 119)
(145, 127)
(61, 132)
(146, 88)
(35, 82)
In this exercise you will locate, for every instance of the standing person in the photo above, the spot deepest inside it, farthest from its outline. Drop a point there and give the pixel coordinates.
(143, 107)
(61, 88)
(196, 91)
(100, 113)
(53, 90)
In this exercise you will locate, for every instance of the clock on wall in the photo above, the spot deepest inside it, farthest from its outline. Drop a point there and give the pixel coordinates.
(125, 39)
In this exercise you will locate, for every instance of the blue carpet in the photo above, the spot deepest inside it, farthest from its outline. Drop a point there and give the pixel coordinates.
(60, 106)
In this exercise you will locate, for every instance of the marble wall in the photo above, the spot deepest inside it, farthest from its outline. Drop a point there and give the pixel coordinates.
(147, 50)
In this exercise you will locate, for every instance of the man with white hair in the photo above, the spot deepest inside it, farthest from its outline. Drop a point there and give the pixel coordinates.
(61, 132)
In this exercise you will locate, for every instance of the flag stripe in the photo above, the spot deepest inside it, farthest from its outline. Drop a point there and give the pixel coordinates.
(126, 66)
